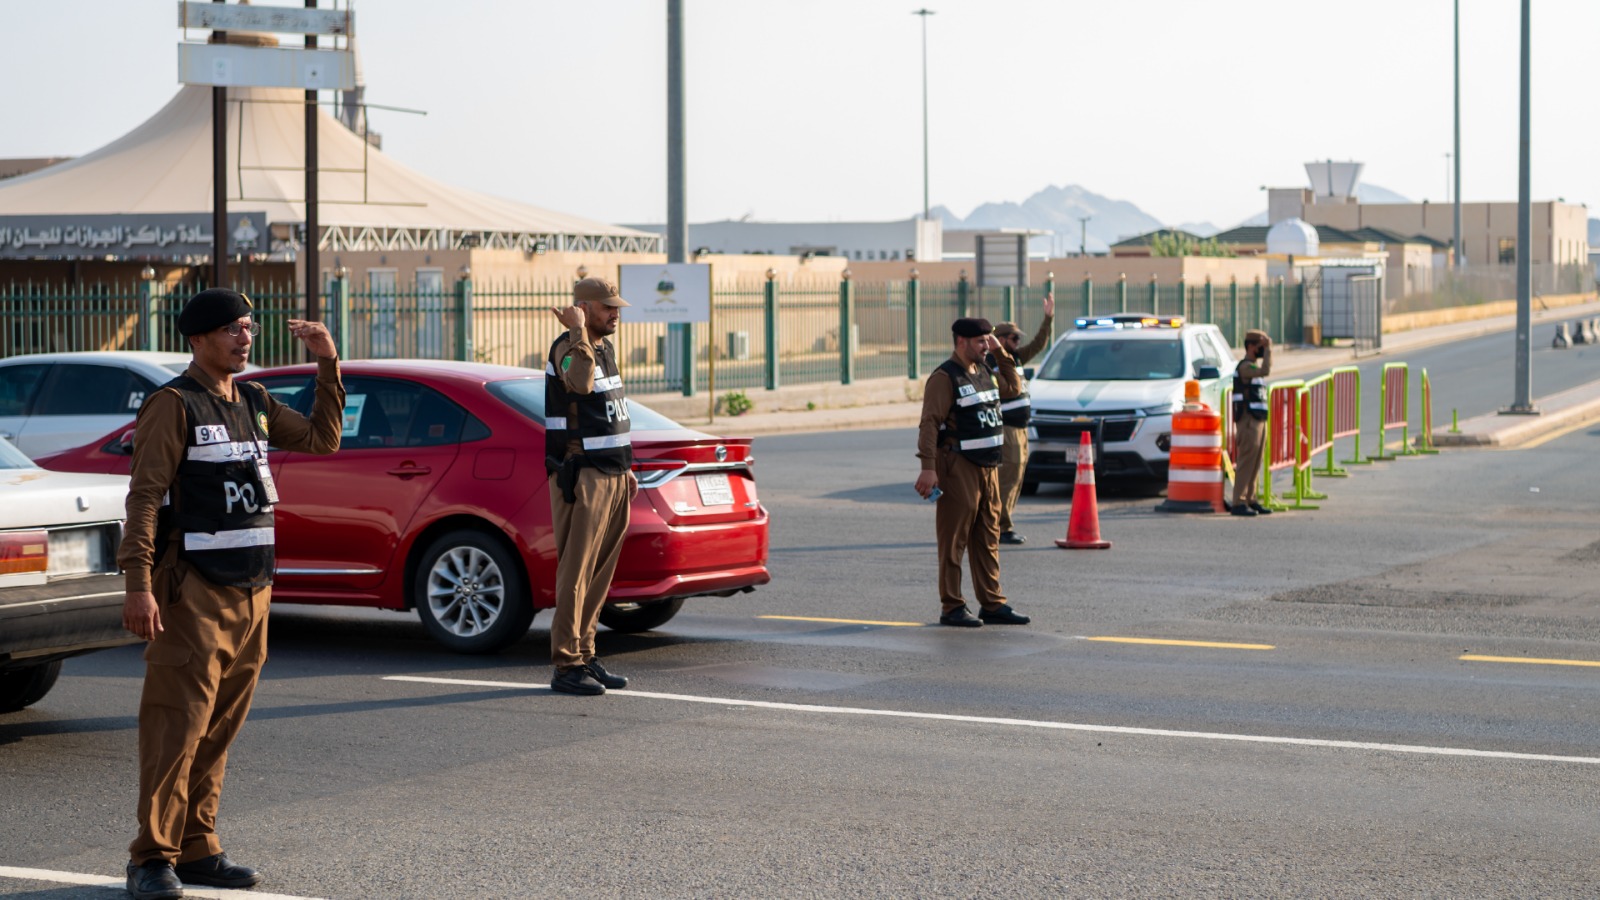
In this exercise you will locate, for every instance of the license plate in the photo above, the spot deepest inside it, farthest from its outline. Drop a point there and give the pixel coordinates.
(714, 489)
(74, 552)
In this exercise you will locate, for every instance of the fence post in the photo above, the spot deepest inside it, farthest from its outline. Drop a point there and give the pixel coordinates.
(1008, 300)
(1050, 291)
(914, 327)
(1233, 307)
(1122, 292)
(961, 296)
(847, 317)
(1283, 322)
(147, 308)
(1155, 296)
(464, 315)
(769, 327)
(1260, 320)
(1183, 301)
(340, 313)
(1211, 306)
(1088, 295)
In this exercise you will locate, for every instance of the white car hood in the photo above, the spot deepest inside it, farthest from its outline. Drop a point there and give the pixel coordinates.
(1095, 396)
(35, 498)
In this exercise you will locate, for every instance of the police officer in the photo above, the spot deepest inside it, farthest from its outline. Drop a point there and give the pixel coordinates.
(959, 441)
(198, 553)
(589, 456)
(1015, 410)
(1250, 421)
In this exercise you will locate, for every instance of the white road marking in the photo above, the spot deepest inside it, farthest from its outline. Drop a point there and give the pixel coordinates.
(1037, 723)
(120, 885)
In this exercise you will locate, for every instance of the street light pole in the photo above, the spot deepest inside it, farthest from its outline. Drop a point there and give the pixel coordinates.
(926, 206)
(1522, 402)
(1460, 259)
(1083, 235)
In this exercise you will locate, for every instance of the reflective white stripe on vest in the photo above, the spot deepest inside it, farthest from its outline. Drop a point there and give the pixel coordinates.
(988, 396)
(555, 423)
(550, 369)
(232, 451)
(1197, 440)
(227, 540)
(1016, 403)
(1201, 476)
(980, 443)
(602, 385)
(607, 441)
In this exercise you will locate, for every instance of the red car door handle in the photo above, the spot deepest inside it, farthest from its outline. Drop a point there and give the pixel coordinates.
(407, 471)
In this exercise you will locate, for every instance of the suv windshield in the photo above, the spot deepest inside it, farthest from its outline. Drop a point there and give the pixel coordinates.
(1116, 360)
(526, 396)
(12, 458)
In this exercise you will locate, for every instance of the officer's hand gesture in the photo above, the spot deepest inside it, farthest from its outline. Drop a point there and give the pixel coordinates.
(1050, 304)
(926, 482)
(571, 316)
(140, 614)
(315, 336)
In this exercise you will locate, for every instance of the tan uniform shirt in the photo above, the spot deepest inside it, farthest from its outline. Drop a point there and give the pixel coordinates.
(1026, 352)
(939, 402)
(158, 448)
(577, 376)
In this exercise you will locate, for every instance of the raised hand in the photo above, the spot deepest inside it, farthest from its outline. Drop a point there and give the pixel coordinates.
(315, 336)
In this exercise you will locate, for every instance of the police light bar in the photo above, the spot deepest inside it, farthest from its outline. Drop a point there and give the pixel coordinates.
(1130, 320)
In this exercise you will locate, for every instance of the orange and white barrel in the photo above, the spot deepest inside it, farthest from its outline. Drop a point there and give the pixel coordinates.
(1194, 466)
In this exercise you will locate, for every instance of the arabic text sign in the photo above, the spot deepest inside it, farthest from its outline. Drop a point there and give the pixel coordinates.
(133, 236)
(225, 65)
(279, 19)
(667, 292)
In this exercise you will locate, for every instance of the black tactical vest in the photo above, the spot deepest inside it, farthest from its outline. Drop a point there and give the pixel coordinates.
(599, 419)
(978, 435)
(1018, 410)
(1249, 394)
(221, 502)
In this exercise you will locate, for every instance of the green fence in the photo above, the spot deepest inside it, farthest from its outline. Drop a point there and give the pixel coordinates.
(763, 334)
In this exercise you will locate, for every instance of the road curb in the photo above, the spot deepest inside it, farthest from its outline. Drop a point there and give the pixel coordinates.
(1570, 407)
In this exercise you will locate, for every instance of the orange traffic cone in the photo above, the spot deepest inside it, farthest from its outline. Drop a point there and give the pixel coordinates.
(1083, 525)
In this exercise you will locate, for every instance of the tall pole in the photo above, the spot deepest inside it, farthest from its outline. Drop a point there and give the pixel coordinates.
(677, 216)
(1523, 401)
(1083, 235)
(1460, 251)
(313, 264)
(219, 176)
(927, 208)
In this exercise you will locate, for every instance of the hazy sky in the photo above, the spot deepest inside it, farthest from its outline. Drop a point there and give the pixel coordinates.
(811, 109)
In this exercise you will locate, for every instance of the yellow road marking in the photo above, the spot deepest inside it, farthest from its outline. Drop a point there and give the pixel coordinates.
(844, 621)
(1225, 646)
(1558, 433)
(1538, 662)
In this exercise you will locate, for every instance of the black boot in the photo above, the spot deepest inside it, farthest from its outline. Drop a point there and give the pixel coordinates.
(153, 880)
(217, 871)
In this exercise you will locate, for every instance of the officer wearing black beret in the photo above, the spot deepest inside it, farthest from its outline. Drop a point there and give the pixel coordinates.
(198, 550)
(959, 441)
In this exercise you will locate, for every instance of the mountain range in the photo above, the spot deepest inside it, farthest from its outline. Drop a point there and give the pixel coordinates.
(1063, 209)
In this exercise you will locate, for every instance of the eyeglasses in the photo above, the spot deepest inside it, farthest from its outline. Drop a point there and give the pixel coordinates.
(233, 329)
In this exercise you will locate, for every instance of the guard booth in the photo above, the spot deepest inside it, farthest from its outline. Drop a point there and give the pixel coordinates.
(1351, 301)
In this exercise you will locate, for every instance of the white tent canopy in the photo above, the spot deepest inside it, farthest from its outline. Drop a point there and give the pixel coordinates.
(368, 201)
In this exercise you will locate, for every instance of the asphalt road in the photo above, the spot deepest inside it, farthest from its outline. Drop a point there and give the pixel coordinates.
(1340, 721)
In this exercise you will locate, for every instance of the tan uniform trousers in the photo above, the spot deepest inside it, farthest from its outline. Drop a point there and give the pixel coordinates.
(200, 676)
(589, 536)
(967, 523)
(1013, 462)
(1252, 438)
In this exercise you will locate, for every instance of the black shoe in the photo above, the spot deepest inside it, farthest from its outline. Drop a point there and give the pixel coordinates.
(961, 618)
(1003, 615)
(1260, 510)
(1242, 511)
(217, 871)
(154, 880)
(576, 680)
(1011, 537)
(599, 673)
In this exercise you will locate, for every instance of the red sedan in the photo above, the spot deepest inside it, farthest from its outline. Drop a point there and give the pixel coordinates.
(437, 500)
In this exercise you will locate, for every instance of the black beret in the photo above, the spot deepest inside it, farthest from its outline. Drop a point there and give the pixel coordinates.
(970, 328)
(211, 309)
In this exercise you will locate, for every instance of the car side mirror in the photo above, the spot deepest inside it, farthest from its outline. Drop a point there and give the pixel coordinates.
(1027, 373)
(1206, 373)
(125, 443)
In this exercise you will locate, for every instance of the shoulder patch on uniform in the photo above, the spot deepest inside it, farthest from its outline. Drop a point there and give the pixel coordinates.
(261, 420)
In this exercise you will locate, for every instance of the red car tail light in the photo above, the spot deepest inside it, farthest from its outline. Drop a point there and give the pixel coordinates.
(24, 551)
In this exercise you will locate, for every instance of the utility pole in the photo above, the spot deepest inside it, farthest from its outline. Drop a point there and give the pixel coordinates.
(1460, 251)
(1522, 402)
(312, 262)
(677, 206)
(927, 208)
(219, 176)
(1083, 235)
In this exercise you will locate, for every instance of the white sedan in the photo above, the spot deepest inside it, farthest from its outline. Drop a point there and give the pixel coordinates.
(60, 591)
(55, 401)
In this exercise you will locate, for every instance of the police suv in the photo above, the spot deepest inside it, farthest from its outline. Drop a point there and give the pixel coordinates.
(1119, 378)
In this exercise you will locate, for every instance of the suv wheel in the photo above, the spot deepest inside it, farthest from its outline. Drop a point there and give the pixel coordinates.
(27, 686)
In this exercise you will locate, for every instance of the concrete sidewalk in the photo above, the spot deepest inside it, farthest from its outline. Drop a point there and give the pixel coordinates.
(896, 402)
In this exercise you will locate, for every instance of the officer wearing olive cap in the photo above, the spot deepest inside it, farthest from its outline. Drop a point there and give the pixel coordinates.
(959, 440)
(589, 457)
(198, 552)
(1250, 422)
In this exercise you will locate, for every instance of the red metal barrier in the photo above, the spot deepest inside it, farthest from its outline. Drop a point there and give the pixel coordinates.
(1347, 403)
(1314, 399)
(1392, 410)
(1283, 423)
